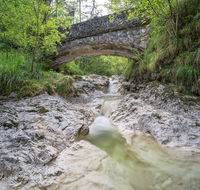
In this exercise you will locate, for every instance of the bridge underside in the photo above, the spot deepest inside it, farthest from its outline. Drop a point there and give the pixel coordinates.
(125, 43)
(79, 52)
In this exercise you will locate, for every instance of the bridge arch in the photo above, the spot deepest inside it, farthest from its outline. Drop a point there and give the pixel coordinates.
(100, 36)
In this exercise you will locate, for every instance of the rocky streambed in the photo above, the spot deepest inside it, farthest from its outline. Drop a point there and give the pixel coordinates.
(157, 135)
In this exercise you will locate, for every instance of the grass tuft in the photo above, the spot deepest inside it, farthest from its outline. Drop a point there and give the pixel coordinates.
(64, 86)
(15, 76)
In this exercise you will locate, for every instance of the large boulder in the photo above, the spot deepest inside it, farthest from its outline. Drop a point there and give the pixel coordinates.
(100, 82)
(88, 88)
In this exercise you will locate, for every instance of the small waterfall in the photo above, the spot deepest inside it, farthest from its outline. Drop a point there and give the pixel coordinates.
(109, 106)
(109, 90)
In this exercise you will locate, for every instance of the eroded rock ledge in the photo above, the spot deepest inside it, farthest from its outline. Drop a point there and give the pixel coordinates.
(158, 111)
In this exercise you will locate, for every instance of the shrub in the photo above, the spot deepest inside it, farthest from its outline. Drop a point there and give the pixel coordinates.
(64, 86)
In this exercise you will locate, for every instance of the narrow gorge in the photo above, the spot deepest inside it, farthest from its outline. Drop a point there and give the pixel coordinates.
(107, 135)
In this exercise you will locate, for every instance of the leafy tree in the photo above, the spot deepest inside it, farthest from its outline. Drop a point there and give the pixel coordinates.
(32, 25)
(119, 5)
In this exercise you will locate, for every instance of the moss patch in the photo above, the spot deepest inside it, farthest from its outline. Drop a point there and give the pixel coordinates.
(39, 137)
(31, 111)
(10, 125)
(154, 84)
(136, 97)
(158, 116)
(59, 118)
(43, 110)
(34, 105)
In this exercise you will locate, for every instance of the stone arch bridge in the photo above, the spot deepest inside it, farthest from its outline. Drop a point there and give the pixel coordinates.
(102, 36)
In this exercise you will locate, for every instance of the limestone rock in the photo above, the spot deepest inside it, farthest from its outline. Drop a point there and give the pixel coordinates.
(100, 82)
(161, 113)
(88, 88)
(31, 140)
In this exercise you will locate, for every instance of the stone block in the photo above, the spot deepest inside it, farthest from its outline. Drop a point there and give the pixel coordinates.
(143, 44)
(143, 31)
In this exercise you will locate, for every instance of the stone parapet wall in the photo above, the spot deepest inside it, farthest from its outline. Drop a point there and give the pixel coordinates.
(129, 36)
(101, 25)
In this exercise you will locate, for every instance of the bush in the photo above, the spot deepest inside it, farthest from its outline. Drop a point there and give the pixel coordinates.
(13, 72)
(64, 86)
(15, 75)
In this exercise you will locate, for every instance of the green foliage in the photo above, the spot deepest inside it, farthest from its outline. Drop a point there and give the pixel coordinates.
(9, 71)
(31, 89)
(32, 25)
(189, 76)
(71, 69)
(101, 65)
(64, 86)
(128, 69)
(15, 76)
(118, 5)
(29, 32)
(165, 74)
(173, 47)
(50, 88)
(187, 73)
(173, 50)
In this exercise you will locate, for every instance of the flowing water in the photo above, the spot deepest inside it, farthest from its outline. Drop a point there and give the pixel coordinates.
(151, 167)
(109, 90)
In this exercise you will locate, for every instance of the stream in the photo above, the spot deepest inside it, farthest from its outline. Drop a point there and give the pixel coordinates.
(148, 164)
